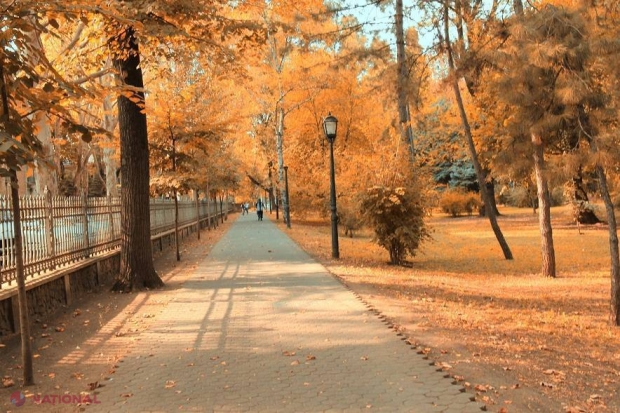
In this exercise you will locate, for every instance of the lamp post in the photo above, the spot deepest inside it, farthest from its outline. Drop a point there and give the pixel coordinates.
(330, 126)
(288, 203)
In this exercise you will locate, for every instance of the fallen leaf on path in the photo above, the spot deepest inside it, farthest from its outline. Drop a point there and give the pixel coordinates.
(59, 329)
(78, 376)
(7, 382)
(310, 357)
(295, 363)
(445, 366)
(169, 384)
(93, 386)
(126, 394)
(288, 353)
(364, 358)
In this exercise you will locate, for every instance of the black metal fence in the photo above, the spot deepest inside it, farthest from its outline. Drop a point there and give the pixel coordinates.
(58, 231)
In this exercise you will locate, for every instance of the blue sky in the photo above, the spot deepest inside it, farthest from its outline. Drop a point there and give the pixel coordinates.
(379, 20)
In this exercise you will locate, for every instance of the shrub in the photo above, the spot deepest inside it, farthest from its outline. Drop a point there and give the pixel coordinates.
(457, 201)
(350, 218)
(557, 196)
(397, 217)
(520, 197)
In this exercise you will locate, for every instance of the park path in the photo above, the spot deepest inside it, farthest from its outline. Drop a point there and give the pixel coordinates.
(259, 326)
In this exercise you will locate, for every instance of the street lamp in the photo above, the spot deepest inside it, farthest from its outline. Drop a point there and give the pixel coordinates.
(330, 126)
(288, 203)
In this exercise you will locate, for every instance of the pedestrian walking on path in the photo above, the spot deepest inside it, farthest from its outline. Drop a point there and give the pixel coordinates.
(259, 209)
(259, 326)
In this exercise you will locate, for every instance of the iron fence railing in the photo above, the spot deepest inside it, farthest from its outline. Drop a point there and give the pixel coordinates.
(58, 231)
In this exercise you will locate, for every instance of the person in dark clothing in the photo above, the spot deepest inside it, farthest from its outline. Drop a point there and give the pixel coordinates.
(259, 209)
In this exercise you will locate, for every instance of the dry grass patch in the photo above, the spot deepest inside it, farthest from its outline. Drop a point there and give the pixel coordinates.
(542, 344)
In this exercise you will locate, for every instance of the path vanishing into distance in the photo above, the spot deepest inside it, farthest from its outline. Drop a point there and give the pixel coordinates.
(259, 326)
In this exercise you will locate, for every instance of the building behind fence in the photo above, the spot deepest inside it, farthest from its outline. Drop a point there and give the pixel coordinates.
(61, 230)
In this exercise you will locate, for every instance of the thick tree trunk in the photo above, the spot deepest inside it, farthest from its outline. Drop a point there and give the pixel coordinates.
(137, 271)
(404, 117)
(544, 209)
(490, 212)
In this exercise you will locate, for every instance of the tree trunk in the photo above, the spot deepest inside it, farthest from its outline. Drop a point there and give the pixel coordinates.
(613, 247)
(198, 213)
(404, 117)
(222, 208)
(176, 201)
(491, 191)
(280, 150)
(472, 147)
(208, 207)
(24, 324)
(136, 271)
(517, 6)
(544, 209)
(111, 167)
(614, 252)
(44, 172)
(22, 298)
(216, 221)
(176, 224)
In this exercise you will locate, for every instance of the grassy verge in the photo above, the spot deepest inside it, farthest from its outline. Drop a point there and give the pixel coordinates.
(520, 341)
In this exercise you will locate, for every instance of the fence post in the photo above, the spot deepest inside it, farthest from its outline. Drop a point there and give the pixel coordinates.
(49, 225)
(85, 224)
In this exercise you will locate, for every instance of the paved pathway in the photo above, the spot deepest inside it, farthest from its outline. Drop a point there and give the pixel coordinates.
(261, 327)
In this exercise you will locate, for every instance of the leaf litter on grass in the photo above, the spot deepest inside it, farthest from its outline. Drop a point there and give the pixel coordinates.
(460, 289)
